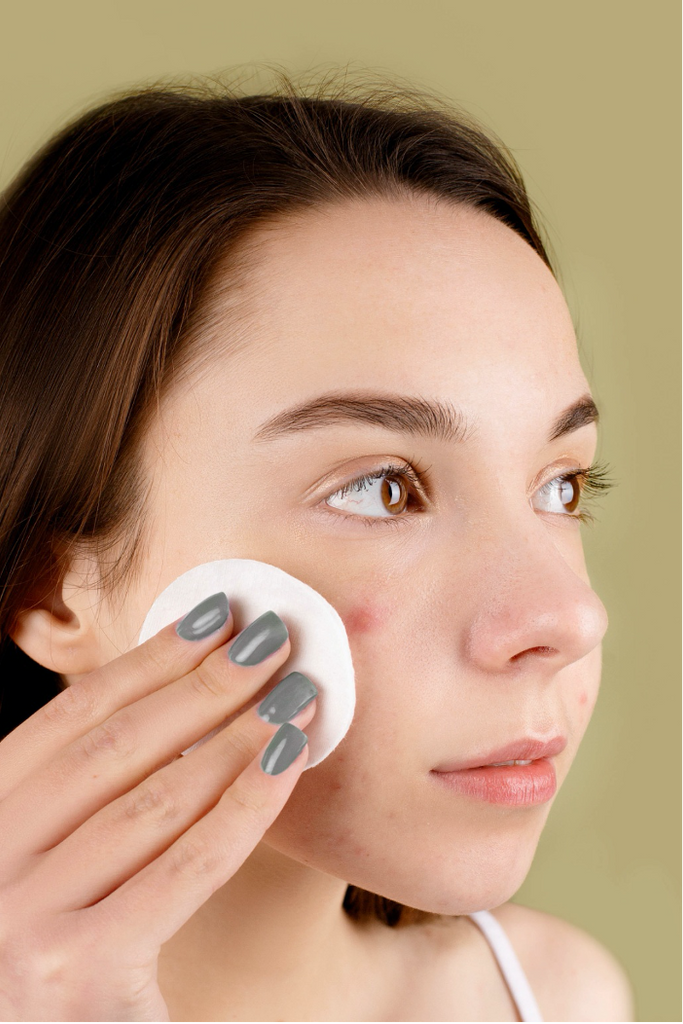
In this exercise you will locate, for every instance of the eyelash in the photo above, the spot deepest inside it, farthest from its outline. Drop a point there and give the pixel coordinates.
(593, 482)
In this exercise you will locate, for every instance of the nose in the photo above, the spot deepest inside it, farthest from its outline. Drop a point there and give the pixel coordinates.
(533, 608)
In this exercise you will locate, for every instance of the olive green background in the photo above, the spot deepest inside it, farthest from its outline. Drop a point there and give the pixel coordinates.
(586, 95)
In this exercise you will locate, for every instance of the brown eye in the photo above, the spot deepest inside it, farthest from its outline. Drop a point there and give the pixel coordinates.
(394, 495)
(383, 495)
(566, 492)
(570, 493)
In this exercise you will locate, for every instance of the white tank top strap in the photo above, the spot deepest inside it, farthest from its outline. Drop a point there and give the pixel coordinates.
(512, 970)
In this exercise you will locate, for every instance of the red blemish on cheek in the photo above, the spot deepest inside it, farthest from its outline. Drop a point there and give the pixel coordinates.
(362, 618)
(583, 697)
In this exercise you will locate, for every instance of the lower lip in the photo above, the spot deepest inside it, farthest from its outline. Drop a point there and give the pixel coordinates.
(517, 785)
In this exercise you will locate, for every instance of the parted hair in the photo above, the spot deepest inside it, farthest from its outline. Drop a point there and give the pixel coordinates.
(114, 238)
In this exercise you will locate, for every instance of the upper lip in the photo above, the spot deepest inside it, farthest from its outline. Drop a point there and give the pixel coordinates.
(528, 748)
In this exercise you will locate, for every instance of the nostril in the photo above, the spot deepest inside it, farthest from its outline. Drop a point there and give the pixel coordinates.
(530, 650)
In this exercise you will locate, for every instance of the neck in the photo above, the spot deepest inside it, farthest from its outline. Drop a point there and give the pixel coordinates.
(273, 943)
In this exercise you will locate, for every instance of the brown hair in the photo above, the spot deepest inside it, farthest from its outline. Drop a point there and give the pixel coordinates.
(111, 237)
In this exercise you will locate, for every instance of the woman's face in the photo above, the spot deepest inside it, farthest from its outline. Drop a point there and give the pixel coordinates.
(469, 611)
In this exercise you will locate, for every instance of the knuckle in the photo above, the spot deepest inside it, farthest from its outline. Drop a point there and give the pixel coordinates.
(153, 799)
(33, 956)
(112, 739)
(77, 702)
(158, 653)
(207, 683)
(190, 856)
(51, 965)
(242, 747)
(248, 798)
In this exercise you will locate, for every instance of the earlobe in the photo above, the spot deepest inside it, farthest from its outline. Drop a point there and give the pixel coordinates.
(56, 628)
(56, 639)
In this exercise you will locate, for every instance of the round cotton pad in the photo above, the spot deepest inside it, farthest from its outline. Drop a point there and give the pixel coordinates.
(320, 646)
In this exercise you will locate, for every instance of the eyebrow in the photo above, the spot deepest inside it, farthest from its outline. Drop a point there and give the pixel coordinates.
(408, 414)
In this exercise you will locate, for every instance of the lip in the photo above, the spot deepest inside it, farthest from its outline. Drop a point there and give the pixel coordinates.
(528, 748)
(523, 785)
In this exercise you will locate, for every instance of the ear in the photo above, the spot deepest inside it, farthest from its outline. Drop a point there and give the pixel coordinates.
(58, 627)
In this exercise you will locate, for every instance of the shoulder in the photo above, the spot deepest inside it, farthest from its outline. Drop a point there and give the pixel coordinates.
(572, 974)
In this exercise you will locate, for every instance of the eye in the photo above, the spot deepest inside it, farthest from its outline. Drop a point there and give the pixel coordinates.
(381, 496)
(386, 490)
(563, 493)
(572, 489)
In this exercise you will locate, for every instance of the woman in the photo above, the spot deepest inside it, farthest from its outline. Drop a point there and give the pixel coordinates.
(322, 332)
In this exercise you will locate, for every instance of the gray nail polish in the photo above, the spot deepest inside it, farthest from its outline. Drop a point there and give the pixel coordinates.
(263, 637)
(288, 698)
(285, 746)
(208, 616)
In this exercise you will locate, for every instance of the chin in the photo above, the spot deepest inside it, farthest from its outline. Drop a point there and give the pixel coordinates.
(451, 882)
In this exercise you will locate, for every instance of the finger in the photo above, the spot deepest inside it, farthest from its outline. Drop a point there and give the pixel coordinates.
(134, 742)
(90, 701)
(168, 891)
(128, 834)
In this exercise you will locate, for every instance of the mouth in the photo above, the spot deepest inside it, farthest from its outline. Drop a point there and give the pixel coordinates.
(519, 785)
(526, 750)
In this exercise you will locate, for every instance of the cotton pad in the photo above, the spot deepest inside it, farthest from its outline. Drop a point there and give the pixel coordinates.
(319, 643)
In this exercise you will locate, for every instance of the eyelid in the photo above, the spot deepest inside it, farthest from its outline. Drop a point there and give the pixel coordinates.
(418, 477)
(560, 473)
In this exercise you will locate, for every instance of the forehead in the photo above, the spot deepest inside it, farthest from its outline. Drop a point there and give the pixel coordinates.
(411, 294)
(419, 270)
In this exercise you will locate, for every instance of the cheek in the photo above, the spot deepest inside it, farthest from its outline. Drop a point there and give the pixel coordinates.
(365, 617)
(585, 704)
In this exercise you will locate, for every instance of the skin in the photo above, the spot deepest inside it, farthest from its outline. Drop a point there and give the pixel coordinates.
(445, 611)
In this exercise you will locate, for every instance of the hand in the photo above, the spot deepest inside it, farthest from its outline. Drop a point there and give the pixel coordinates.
(111, 841)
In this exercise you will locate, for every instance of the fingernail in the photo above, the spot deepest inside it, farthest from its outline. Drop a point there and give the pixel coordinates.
(285, 747)
(288, 698)
(263, 637)
(207, 617)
